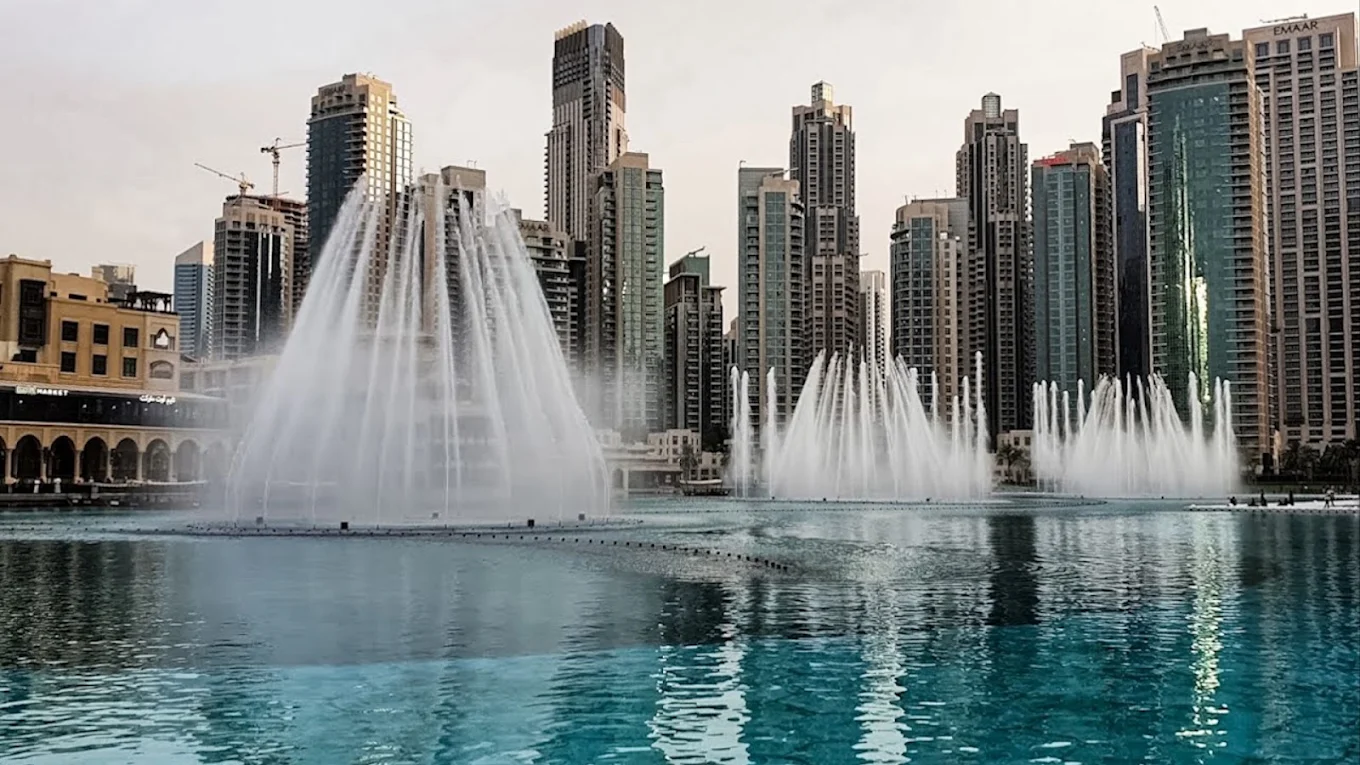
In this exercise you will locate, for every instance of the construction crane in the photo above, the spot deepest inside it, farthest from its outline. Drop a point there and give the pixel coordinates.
(1161, 25)
(245, 185)
(273, 151)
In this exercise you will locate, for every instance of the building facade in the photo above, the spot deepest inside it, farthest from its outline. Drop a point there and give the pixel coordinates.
(873, 312)
(624, 313)
(1074, 282)
(929, 261)
(588, 132)
(89, 391)
(1210, 310)
(252, 250)
(771, 292)
(992, 170)
(1125, 154)
(1307, 72)
(822, 161)
(194, 299)
(561, 276)
(355, 131)
(694, 351)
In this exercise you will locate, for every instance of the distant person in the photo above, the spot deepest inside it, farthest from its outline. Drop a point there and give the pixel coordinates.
(1232, 501)
(1291, 497)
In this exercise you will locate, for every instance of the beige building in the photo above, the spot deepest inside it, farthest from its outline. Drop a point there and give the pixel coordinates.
(1307, 72)
(89, 387)
(929, 259)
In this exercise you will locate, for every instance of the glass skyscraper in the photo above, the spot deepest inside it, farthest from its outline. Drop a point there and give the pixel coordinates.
(1209, 274)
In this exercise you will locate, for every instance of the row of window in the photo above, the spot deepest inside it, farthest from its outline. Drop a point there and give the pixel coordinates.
(1325, 41)
(70, 333)
(99, 366)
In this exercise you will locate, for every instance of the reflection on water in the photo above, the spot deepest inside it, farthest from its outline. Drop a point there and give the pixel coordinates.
(1102, 636)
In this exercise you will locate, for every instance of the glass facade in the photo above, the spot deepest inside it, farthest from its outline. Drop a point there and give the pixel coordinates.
(59, 405)
(1129, 199)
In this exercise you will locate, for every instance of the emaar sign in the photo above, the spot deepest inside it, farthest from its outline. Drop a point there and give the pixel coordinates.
(1295, 28)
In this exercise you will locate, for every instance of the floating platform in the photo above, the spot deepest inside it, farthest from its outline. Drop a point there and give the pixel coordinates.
(1341, 506)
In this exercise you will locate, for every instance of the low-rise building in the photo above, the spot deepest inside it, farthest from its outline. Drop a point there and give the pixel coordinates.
(89, 385)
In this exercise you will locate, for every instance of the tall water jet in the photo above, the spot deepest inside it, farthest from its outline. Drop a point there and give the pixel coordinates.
(1132, 442)
(861, 432)
(422, 381)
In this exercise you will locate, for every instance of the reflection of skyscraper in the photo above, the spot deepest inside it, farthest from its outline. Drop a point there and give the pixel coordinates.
(1014, 583)
(1210, 312)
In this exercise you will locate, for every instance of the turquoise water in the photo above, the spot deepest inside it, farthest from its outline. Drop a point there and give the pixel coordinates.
(1108, 633)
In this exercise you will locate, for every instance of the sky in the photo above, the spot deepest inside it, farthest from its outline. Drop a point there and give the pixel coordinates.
(111, 102)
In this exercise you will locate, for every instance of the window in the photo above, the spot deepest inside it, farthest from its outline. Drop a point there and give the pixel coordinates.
(99, 364)
(1262, 50)
(68, 361)
(129, 337)
(101, 334)
(26, 355)
(129, 366)
(70, 331)
(161, 370)
(1305, 43)
(1282, 46)
(1325, 40)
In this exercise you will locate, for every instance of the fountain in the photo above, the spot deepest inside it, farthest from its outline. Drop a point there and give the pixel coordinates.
(864, 433)
(416, 388)
(1131, 442)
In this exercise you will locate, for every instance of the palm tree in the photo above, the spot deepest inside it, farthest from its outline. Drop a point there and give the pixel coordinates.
(1008, 453)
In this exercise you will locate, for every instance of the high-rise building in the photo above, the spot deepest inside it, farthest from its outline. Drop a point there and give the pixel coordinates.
(873, 309)
(587, 123)
(194, 299)
(252, 246)
(992, 172)
(121, 278)
(771, 291)
(822, 161)
(731, 359)
(560, 271)
(1307, 71)
(1125, 154)
(355, 131)
(929, 259)
(694, 350)
(1074, 283)
(449, 195)
(624, 320)
(1207, 228)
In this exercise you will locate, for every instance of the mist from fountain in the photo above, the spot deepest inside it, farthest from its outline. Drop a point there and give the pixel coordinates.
(861, 432)
(419, 386)
(1131, 441)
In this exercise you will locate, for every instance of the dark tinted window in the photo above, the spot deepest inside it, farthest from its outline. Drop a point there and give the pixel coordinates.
(68, 361)
(99, 364)
(130, 367)
(101, 334)
(129, 337)
(70, 331)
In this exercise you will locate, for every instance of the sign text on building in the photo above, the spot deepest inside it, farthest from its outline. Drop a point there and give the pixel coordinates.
(1295, 28)
(32, 390)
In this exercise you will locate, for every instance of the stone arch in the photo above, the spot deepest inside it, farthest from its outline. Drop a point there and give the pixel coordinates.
(156, 461)
(187, 462)
(62, 459)
(123, 460)
(215, 462)
(28, 458)
(94, 460)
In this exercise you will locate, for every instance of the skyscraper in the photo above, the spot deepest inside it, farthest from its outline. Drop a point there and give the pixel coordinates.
(252, 245)
(873, 296)
(121, 278)
(587, 123)
(194, 299)
(355, 130)
(929, 258)
(1125, 154)
(997, 296)
(1207, 227)
(450, 194)
(554, 256)
(771, 291)
(822, 161)
(1307, 72)
(694, 350)
(1074, 293)
(624, 320)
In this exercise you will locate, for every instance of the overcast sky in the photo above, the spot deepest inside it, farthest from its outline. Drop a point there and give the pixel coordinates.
(113, 101)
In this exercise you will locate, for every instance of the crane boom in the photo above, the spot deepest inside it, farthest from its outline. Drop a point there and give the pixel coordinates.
(244, 184)
(273, 151)
(1161, 25)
